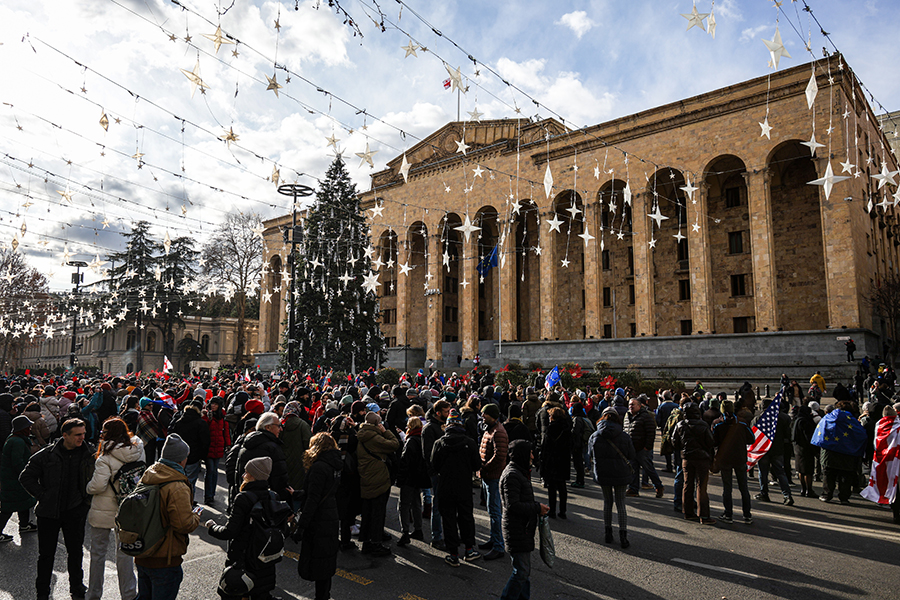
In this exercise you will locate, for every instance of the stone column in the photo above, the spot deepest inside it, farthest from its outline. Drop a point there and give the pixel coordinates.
(549, 269)
(403, 299)
(840, 259)
(593, 274)
(507, 264)
(644, 304)
(434, 303)
(762, 247)
(468, 297)
(702, 294)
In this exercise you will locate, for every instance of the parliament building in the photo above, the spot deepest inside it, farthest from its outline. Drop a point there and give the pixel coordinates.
(733, 235)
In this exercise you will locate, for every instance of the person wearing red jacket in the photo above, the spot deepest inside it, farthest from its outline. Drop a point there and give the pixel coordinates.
(219, 440)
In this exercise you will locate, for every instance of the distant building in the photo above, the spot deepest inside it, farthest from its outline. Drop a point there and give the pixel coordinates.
(116, 351)
(749, 272)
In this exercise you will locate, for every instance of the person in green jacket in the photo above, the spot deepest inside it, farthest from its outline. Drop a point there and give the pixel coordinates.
(13, 497)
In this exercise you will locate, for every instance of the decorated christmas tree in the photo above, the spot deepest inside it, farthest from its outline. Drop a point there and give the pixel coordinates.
(337, 312)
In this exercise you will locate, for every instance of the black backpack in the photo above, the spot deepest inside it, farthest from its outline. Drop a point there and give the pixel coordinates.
(268, 523)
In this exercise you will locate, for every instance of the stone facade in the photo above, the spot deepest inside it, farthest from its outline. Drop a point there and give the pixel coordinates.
(755, 250)
(116, 351)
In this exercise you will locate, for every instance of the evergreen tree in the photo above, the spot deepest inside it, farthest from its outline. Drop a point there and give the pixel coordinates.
(336, 317)
(169, 302)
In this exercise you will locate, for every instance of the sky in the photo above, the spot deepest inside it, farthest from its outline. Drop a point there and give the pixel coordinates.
(69, 183)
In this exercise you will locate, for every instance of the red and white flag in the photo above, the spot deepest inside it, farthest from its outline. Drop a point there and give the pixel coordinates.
(246, 374)
(167, 364)
(764, 431)
(447, 84)
(167, 399)
(882, 486)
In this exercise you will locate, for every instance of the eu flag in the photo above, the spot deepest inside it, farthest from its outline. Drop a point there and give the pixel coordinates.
(487, 263)
(552, 378)
(839, 431)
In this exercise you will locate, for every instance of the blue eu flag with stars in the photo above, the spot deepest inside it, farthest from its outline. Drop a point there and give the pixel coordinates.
(839, 431)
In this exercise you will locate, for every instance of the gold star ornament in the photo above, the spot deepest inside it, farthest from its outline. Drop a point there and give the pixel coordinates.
(194, 78)
(217, 38)
(273, 84)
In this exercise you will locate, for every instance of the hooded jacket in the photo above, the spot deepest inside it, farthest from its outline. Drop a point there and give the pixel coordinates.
(455, 458)
(295, 435)
(104, 504)
(607, 464)
(195, 433)
(319, 519)
(372, 449)
(264, 443)
(219, 434)
(430, 433)
(693, 436)
(520, 510)
(177, 518)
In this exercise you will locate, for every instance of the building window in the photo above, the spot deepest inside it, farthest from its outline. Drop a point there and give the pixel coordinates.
(633, 327)
(451, 314)
(481, 290)
(684, 289)
(451, 338)
(736, 242)
(732, 197)
(631, 294)
(481, 319)
(686, 327)
(451, 285)
(102, 344)
(607, 330)
(607, 297)
(389, 290)
(738, 285)
(605, 259)
(682, 250)
(151, 341)
(743, 324)
(130, 340)
(583, 300)
(630, 270)
(391, 342)
(204, 343)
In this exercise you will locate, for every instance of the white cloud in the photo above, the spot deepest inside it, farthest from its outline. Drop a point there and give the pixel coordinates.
(751, 33)
(577, 21)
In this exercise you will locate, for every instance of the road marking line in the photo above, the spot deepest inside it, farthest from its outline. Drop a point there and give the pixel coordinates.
(408, 596)
(714, 568)
(204, 557)
(886, 536)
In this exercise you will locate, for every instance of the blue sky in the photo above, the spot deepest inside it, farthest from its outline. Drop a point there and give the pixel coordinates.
(587, 61)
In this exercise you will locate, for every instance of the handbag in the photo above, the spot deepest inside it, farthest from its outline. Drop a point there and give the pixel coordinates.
(548, 552)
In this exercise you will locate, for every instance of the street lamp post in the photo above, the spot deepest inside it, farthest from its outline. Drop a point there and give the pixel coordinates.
(295, 190)
(76, 279)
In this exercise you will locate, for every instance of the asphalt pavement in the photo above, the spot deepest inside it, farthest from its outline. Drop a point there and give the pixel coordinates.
(809, 551)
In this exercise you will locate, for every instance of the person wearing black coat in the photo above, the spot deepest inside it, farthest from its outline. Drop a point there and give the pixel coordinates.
(195, 433)
(611, 455)
(515, 427)
(731, 436)
(6, 408)
(556, 459)
(520, 518)
(693, 438)
(264, 442)
(412, 478)
(802, 431)
(456, 459)
(319, 520)
(239, 529)
(433, 430)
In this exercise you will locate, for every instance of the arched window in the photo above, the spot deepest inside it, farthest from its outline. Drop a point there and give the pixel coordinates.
(130, 339)
(204, 343)
(151, 341)
(129, 368)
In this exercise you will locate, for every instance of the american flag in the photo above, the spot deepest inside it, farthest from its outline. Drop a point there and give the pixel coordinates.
(764, 431)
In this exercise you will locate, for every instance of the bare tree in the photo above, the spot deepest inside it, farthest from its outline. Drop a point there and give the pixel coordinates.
(233, 258)
(884, 299)
(24, 305)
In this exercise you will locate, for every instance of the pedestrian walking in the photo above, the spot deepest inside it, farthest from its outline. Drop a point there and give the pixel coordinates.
(611, 456)
(520, 518)
(640, 425)
(14, 498)
(556, 460)
(493, 452)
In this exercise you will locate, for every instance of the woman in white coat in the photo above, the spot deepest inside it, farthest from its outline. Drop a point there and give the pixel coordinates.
(118, 447)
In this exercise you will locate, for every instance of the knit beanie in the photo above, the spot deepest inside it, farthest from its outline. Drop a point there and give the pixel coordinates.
(357, 407)
(175, 449)
(254, 406)
(492, 410)
(454, 419)
(259, 468)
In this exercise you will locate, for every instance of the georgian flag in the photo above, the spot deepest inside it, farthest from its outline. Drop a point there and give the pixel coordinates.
(167, 399)
(246, 374)
(167, 364)
(882, 486)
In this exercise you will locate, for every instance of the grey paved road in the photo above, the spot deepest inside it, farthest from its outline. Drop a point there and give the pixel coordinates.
(809, 551)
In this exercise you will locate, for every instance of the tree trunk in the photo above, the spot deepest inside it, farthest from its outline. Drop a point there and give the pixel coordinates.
(242, 309)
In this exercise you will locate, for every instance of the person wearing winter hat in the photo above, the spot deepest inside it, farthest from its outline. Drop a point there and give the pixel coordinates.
(493, 452)
(455, 458)
(160, 574)
(13, 497)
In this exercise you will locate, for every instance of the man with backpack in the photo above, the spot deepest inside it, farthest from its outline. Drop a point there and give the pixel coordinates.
(159, 567)
(58, 476)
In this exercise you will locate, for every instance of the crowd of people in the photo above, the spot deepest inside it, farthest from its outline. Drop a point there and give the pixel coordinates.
(315, 460)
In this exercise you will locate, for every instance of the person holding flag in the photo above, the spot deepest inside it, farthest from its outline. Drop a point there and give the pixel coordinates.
(167, 365)
(842, 440)
(882, 487)
(771, 429)
(552, 378)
